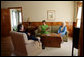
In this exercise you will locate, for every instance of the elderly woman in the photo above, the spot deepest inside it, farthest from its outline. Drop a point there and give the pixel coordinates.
(62, 30)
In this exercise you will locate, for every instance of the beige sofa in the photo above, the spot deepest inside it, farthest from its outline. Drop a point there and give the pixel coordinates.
(23, 46)
(53, 29)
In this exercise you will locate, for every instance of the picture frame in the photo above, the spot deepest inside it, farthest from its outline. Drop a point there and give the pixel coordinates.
(51, 14)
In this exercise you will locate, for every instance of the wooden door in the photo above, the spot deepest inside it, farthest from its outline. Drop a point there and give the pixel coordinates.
(5, 22)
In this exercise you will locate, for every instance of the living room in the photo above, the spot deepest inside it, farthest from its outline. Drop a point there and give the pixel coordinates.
(32, 13)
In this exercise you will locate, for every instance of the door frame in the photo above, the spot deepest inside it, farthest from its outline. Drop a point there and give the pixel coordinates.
(17, 8)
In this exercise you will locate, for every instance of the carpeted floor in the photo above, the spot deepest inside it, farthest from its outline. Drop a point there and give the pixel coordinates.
(65, 50)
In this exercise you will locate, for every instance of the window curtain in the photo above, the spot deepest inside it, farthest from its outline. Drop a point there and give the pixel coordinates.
(14, 20)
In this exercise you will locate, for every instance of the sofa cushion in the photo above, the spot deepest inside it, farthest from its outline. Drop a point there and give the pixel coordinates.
(54, 29)
(49, 30)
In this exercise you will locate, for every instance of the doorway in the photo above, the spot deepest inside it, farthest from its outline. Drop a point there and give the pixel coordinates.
(15, 17)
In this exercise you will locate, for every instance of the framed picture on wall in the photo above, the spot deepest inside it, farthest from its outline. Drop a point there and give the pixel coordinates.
(51, 14)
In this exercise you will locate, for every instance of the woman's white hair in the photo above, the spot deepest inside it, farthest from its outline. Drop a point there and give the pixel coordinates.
(64, 23)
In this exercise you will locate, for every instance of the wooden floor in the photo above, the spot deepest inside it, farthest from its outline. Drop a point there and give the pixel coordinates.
(6, 47)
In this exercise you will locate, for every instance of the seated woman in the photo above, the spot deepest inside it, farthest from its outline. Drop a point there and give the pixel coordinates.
(29, 36)
(62, 30)
(44, 28)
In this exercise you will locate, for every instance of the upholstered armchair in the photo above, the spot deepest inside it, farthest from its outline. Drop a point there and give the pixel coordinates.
(23, 46)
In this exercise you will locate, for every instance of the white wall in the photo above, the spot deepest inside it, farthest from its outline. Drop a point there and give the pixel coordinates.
(37, 10)
(75, 11)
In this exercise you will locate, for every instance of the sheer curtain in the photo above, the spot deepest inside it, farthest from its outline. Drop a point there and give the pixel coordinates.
(16, 18)
(79, 17)
(20, 17)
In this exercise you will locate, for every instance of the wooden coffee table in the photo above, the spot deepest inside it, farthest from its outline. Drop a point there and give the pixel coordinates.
(51, 40)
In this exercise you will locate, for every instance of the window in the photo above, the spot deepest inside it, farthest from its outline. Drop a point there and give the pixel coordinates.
(14, 19)
(20, 19)
(79, 17)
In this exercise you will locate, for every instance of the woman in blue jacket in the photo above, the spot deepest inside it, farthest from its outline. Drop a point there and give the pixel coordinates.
(62, 30)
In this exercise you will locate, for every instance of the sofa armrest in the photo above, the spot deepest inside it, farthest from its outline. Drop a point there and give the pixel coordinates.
(38, 38)
(32, 43)
(29, 41)
(67, 33)
(37, 33)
